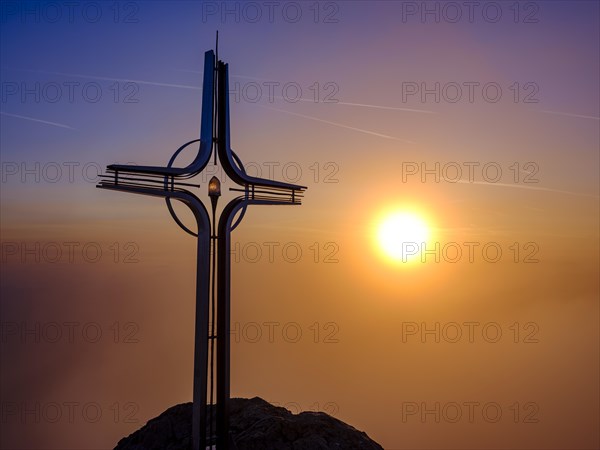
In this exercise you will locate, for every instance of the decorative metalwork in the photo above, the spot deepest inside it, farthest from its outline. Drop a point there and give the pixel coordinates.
(213, 275)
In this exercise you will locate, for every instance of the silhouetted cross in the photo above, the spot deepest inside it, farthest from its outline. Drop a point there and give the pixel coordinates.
(211, 266)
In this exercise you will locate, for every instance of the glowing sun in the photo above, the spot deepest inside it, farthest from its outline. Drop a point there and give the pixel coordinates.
(401, 235)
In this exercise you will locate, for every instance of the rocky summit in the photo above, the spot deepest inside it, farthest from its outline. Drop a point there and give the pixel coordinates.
(255, 425)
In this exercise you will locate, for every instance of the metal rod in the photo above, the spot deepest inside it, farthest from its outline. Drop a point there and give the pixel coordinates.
(291, 193)
(212, 337)
(150, 180)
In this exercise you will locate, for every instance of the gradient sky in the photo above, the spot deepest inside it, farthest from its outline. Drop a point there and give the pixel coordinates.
(135, 73)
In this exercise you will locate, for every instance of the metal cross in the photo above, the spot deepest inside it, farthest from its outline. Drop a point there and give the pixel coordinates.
(213, 267)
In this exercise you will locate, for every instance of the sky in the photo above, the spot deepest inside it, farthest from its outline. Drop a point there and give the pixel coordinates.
(481, 121)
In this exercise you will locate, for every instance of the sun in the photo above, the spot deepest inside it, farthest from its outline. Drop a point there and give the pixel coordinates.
(401, 235)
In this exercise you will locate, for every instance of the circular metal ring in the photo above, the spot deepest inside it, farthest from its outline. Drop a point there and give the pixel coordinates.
(178, 151)
(176, 219)
(168, 199)
(237, 222)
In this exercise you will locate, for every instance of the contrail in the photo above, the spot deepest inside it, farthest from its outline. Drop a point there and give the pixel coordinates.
(580, 116)
(341, 125)
(183, 86)
(37, 120)
(393, 108)
(124, 80)
(197, 88)
(363, 105)
(521, 186)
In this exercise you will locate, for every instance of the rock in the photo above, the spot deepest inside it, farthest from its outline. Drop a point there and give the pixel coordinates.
(255, 425)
